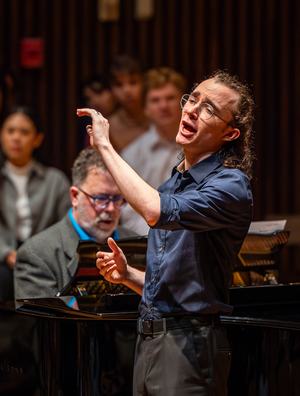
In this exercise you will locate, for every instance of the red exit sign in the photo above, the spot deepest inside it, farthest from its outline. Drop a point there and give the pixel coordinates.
(32, 53)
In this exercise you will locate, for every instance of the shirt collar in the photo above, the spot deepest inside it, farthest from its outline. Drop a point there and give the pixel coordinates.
(19, 170)
(39, 169)
(82, 234)
(34, 167)
(202, 168)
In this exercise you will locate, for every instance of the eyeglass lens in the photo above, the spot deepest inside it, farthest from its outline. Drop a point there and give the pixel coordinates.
(103, 202)
(206, 111)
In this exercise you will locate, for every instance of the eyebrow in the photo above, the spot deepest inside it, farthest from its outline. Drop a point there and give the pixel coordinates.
(206, 100)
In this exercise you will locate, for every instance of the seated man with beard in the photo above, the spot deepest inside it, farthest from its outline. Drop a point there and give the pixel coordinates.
(47, 261)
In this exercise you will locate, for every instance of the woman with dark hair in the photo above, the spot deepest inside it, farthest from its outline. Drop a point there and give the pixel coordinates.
(32, 196)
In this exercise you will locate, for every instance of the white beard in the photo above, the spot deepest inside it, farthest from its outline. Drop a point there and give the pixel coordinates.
(93, 228)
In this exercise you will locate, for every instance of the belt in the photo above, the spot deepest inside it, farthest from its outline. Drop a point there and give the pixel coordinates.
(163, 325)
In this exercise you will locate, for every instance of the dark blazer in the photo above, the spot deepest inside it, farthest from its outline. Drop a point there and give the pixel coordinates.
(47, 261)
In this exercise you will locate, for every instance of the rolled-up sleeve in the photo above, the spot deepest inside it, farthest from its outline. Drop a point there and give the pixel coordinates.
(213, 204)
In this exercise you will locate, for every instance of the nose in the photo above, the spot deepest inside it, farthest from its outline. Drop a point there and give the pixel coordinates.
(127, 88)
(110, 207)
(165, 103)
(193, 111)
(16, 134)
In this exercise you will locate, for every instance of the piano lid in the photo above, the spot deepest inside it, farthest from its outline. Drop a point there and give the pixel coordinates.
(261, 251)
(84, 307)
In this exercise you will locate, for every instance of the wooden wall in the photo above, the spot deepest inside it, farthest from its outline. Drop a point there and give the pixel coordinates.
(257, 39)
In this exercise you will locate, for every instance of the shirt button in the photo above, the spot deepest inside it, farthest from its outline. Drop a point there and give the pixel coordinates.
(149, 310)
(179, 190)
(153, 279)
(160, 249)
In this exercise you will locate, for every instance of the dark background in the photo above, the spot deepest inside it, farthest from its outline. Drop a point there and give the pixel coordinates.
(259, 40)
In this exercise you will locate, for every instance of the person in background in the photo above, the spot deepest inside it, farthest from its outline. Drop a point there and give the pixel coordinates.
(95, 92)
(32, 196)
(154, 154)
(129, 121)
(199, 219)
(47, 261)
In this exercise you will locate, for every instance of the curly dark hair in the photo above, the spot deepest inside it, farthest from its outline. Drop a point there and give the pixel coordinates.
(238, 153)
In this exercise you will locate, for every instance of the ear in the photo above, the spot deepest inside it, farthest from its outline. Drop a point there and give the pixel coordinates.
(74, 196)
(231, 135)
(38, 139)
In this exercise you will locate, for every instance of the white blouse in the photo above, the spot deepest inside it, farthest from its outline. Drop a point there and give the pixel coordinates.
(19, 177)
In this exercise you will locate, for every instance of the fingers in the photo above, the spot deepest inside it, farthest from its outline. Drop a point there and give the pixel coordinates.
(94, 114)
(114, 247)
(98, 132)
(105, 265)
(102, 258)
(83, 112)
(106, 261)
(107, 272)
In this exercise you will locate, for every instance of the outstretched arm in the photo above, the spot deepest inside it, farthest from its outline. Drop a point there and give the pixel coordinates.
(143, 198)
(114, 268)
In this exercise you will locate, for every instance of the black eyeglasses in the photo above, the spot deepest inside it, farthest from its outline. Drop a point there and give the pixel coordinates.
(102, 201)
(206, 111)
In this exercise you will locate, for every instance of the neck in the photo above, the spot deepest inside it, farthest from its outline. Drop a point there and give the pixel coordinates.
(193, 159)
(19, 163)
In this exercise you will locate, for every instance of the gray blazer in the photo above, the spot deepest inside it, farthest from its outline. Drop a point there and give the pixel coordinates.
(49, 200)
(47, 261)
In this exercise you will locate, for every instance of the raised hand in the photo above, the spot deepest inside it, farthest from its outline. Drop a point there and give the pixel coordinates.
(112, 265)
(99, 130)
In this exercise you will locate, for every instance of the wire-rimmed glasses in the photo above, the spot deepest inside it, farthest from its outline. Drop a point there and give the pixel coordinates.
(206, 111)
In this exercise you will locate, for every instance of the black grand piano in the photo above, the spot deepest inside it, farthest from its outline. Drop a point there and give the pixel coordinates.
(81, 342)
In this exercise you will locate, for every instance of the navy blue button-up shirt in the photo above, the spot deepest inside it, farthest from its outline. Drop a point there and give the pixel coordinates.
(205, 215)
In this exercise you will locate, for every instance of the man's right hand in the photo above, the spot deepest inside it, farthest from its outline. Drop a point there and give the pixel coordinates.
(112, 266)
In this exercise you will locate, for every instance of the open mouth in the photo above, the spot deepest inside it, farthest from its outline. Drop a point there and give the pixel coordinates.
(187, 127)
(105, 223)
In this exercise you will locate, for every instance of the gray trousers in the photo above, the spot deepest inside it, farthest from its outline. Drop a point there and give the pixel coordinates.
(190, 361)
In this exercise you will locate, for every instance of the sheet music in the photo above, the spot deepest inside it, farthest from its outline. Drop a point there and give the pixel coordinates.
(266, 227)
